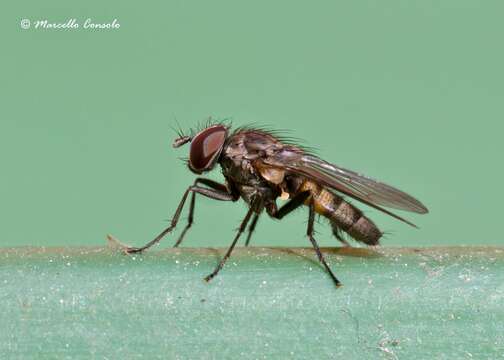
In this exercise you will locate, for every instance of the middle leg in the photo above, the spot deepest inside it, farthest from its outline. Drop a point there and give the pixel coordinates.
(241, 229)
(276, 213)
(251, 228)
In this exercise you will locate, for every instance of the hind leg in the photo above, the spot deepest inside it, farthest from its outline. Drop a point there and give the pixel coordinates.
(309, 232)
(337, 232)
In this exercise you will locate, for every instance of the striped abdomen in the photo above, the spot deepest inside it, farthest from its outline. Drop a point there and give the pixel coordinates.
(342, 215)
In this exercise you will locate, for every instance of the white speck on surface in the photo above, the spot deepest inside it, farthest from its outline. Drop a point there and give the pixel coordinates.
(161, 304)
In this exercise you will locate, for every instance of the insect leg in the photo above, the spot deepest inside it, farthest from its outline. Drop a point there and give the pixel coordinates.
(211, 184)
(337, 233)
(213, 194)
(241, 229)
(251, 228)
(292, 205)
(190, 219)
(309, 232)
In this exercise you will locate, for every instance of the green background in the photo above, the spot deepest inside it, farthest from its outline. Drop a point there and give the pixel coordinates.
(409, 92)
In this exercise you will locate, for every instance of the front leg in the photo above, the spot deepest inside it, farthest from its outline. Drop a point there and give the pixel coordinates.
(211, 184)
(210, 193)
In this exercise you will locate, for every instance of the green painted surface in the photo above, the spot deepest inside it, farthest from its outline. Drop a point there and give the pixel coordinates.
(444, 303)
(407, 91)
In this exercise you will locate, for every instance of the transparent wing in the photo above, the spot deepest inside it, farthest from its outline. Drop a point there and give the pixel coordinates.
(357, 186)
(361, 186)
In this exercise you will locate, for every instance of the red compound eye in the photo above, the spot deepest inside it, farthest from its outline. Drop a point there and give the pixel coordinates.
(206, 146)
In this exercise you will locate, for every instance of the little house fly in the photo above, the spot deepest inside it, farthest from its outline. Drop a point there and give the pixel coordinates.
(261, 166)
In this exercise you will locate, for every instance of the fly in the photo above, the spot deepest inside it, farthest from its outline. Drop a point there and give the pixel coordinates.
(259, 166)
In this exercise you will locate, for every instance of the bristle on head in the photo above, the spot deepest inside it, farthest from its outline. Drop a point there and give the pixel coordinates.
(184, 139)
